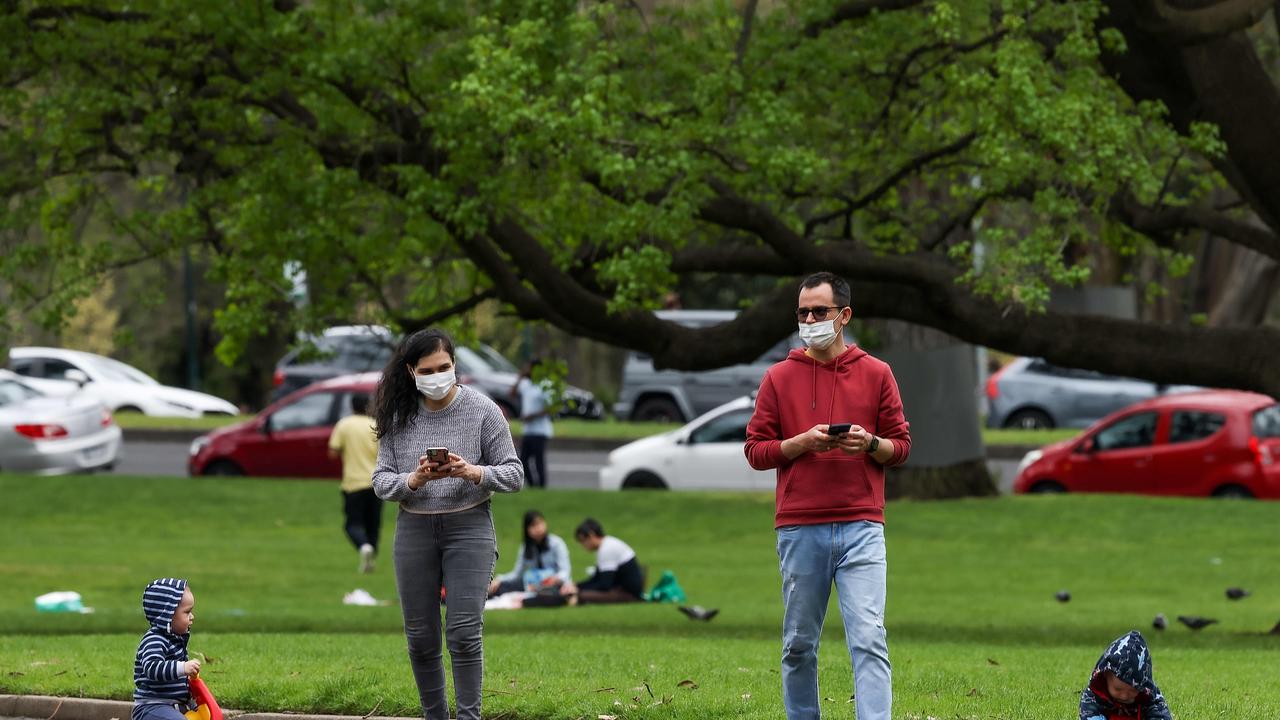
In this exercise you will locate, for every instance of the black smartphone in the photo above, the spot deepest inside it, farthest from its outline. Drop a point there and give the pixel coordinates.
(838, 428)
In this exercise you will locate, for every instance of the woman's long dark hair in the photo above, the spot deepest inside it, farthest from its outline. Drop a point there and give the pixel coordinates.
(398, 398)
(531, 546)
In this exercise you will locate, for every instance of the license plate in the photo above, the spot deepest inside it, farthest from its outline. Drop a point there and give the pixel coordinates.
(97, 452)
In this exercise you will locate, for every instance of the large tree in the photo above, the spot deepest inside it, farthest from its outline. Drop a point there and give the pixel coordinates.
(574, 160)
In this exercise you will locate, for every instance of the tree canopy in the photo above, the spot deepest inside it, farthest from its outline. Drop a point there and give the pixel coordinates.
(955, 160)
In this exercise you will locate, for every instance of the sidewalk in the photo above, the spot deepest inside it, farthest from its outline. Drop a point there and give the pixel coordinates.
(43, 707)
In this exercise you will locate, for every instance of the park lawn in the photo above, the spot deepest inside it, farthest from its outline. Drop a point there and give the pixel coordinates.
(974, 629)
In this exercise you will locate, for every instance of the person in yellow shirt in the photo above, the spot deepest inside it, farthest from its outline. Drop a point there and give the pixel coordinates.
(353, 441)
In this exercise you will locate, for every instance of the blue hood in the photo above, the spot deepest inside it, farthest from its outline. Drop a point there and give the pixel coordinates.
(160, 601)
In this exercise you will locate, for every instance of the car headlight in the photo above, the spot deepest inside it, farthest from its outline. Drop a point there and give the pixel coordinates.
(1030, 459)
(199, 444)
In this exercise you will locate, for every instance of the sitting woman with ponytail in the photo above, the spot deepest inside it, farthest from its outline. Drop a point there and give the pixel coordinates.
(444, 532)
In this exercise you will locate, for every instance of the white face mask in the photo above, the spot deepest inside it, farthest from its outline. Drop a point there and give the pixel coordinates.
(818, 335)
(435, 385)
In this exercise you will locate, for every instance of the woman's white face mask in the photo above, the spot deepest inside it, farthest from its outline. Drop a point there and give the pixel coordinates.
(436, 385)
(818, 335)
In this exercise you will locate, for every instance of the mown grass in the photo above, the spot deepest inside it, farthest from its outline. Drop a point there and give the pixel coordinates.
(607, 429)
(974, 629)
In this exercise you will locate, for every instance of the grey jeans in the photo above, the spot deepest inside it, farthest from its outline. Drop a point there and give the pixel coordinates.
(456, 551)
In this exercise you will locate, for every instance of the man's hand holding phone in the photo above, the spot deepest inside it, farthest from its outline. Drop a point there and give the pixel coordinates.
(854, 440)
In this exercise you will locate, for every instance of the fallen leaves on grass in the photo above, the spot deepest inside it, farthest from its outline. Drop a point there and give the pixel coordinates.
(687, 684)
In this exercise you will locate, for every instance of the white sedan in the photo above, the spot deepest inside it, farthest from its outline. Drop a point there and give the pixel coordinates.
(122, 388)
(706, 454)
(51, 436)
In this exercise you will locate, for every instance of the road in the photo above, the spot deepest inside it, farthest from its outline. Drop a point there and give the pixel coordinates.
(568, 469)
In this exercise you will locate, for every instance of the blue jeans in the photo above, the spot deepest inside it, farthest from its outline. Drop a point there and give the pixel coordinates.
(852, 554)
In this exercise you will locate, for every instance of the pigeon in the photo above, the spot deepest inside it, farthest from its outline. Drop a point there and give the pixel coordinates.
(1195, 622)
(1160, 622)
(1062, 596)
(1235, 593)
(697, 612)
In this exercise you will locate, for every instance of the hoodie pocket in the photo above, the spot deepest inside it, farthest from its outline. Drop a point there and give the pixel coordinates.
(825, 482)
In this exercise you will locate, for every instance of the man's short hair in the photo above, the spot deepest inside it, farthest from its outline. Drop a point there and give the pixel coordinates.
(589, 527)
(360, 403)
(839, 286)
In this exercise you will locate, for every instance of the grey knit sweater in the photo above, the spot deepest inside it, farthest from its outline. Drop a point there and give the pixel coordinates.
(471, 426)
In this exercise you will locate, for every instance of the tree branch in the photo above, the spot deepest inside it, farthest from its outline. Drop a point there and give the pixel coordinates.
(855, 10)
(1193, 21)
(1172, 219)
(411, 324)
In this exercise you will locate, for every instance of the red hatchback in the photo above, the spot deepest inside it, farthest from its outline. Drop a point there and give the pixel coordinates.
(1224, 443)
(288, 439)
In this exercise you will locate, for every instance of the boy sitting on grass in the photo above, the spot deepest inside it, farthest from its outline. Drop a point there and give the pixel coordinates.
(161, 668)
(1121, 684)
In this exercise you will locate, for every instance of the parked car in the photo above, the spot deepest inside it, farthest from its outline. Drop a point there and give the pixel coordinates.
(1033, 394)
(290, 438)
(494, 374)
(648, 394)
(702, 455)
(349, 349)
(53, 435)
(1223, 443)
(121, 387)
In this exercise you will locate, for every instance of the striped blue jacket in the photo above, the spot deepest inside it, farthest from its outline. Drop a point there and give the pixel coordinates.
(157, 669)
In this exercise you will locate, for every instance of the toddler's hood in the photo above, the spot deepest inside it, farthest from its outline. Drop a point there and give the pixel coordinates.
(1130, 660)
(160, 600)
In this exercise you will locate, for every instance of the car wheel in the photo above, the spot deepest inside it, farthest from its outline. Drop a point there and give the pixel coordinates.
(1029, 420)
(223, 467)
(129, 409)
(657, 409)
(643, 480)
(1047, 487)
(1233, 492)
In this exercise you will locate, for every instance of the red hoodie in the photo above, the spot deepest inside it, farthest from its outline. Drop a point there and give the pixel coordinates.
(801, 392)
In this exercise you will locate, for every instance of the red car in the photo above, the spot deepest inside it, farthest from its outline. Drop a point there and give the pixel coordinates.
(288, 439)
(1223, 443)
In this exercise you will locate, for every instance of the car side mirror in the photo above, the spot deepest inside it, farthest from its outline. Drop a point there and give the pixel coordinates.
(77, 376)
(1087, 446)
(265, 426)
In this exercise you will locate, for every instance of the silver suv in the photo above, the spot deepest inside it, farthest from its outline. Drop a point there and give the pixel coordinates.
(1032, 394)
(679, 395)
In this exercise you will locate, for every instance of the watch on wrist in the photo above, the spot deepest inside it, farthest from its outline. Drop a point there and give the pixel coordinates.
(873, 445)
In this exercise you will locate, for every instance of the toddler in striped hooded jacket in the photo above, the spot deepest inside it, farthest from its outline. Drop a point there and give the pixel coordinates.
(161, 668)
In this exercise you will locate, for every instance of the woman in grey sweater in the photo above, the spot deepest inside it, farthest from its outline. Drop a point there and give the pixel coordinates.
(444, 533)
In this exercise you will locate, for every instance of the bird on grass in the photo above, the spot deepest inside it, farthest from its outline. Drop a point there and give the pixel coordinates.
(1062, 596)
(1235, 593)
(1196, 622)
(1160, 622)
(697, 612)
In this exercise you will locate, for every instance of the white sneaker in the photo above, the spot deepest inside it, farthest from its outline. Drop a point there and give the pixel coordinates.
(366, 558)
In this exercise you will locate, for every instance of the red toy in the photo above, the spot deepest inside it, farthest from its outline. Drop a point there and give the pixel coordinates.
(206, 706)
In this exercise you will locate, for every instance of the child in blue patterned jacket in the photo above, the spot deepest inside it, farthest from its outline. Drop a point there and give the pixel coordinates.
(161, 668)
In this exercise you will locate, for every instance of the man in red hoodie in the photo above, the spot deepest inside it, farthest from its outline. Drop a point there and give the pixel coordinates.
(830, 496)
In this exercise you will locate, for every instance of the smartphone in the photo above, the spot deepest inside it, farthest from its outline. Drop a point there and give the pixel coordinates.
(439, 456)
(838, 428)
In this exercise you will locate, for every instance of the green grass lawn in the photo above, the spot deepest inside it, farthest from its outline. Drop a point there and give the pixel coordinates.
(608, 429)
(974, 629)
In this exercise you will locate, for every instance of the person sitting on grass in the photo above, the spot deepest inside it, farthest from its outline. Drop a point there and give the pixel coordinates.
(543, 562)
(161, 668)
(617, 577)
(1121, 684)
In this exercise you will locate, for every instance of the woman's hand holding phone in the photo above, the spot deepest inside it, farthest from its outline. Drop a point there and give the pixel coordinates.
(434, 465)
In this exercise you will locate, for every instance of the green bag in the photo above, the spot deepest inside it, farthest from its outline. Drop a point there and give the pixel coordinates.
(667, 589)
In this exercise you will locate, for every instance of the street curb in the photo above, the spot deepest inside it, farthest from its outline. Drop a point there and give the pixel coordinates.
(994, 452)
(47, 707)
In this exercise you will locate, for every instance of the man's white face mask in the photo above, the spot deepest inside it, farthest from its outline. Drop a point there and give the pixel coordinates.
(818, 335)
(436, 385)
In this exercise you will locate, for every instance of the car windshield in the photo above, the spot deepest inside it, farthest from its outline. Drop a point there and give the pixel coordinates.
(116, 371)
(13, 392)
(497, 360)
(1266, 422)
(472, 360)
(352, 352)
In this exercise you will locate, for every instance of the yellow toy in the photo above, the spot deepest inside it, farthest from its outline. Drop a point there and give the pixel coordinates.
(206, 706)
